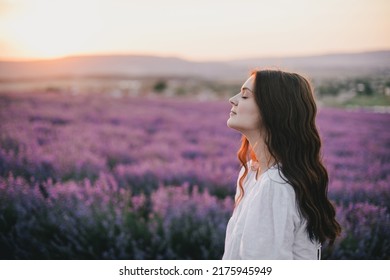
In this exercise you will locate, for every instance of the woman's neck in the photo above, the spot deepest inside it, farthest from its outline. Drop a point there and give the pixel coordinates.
(263, 156)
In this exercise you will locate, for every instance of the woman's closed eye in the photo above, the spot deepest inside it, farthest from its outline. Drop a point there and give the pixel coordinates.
(244, 93)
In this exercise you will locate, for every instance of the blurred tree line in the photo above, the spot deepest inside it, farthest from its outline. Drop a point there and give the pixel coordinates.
(364, 86)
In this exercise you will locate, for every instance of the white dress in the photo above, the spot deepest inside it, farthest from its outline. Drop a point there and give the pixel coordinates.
(266, 223)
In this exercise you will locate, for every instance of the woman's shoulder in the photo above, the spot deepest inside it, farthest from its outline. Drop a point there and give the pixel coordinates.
(275, 182)
(275, 175)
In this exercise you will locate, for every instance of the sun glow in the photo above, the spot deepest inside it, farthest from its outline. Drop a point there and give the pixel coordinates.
(52, 28)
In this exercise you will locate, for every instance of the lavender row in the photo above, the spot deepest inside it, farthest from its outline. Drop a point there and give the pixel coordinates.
(104, 221)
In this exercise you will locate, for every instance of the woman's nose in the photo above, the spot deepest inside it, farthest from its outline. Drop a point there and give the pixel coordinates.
(233, 100)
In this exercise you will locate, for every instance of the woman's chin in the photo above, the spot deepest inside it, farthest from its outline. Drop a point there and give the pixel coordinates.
(230, 123)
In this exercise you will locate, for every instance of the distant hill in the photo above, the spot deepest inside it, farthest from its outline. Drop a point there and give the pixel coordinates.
(347, 64)
(113, 65)
(132, 65)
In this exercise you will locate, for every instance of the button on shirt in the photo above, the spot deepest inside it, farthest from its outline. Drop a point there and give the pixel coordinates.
(266, 224)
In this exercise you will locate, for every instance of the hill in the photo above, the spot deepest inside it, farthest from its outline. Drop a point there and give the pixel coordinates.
(144, 66)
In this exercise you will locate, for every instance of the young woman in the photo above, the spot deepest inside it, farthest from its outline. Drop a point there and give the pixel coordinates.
(282, 210)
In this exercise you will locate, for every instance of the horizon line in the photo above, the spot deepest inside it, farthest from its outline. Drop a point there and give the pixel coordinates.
(156, 55)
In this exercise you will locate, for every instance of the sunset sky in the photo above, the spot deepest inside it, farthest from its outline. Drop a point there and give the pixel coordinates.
(191, 29)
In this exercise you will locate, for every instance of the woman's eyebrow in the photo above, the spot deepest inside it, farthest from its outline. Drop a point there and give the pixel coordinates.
(245, 88)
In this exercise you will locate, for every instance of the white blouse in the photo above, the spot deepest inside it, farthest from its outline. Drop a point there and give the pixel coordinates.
(266, 224)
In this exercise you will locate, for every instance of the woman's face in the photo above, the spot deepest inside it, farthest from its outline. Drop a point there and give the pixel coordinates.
(245, 114)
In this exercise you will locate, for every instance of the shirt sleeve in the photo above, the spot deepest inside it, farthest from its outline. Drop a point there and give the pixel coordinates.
(268, 231)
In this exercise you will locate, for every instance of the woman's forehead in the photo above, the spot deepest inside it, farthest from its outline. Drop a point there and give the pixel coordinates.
(249, 83)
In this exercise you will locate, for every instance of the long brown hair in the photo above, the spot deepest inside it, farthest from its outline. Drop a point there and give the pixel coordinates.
(288, 112)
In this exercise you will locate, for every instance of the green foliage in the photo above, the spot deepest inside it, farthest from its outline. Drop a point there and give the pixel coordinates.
(180, 91)
(364, 100)
(160, 86)
(363, 87)
(329, 89)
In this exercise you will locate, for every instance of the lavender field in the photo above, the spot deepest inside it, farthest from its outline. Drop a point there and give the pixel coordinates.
(96, 177)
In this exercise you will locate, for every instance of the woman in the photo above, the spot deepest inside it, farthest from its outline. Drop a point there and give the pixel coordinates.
(282, 210)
